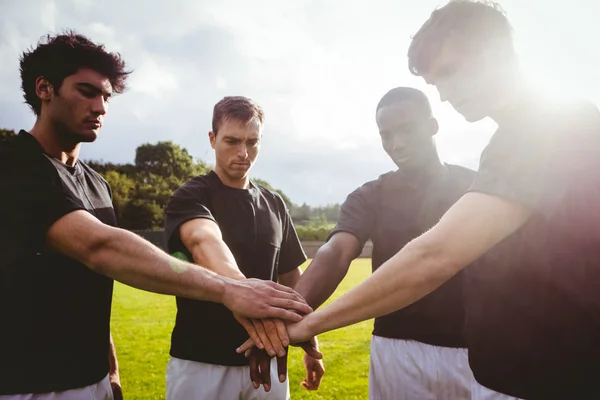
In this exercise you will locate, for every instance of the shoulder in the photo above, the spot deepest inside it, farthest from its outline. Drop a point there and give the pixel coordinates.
(271, 196)
(461, 174)
(20, 161)
(367, 191)
(195, 187)
(382, 180)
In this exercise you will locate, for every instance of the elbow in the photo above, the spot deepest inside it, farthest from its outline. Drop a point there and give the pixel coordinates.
(441, 263)
(335, 257)
(98, 248)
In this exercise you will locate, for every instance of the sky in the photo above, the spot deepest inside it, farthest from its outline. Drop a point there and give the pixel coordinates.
(317, 67)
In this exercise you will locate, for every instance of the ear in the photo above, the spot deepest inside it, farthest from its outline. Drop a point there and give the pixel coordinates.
(213, 139)
(43, 88)
(434, 126)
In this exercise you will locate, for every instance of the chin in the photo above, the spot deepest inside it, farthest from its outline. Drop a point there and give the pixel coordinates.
(87, 136)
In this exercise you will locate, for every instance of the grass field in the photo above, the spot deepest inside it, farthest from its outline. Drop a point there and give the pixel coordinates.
(142, 324)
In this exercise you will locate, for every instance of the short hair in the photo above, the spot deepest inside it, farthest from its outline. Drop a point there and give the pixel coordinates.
(56, 57)
(237, 108)
(479, 22)
(401, 94)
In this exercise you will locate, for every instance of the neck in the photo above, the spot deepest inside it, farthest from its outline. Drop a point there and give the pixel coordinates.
(54, 143)
(432, 169)
(227, 180)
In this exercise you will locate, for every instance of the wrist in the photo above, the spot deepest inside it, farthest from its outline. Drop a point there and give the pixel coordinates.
(224, 289)
(313, 324)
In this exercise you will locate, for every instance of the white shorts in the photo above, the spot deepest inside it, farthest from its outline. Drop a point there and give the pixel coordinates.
(191, 380)
(410, 370)
(97, 391)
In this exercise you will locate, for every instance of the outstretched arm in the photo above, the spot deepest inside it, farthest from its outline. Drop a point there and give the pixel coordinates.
(203, 238)
(329, 266)
(476, 223)
(126, 257)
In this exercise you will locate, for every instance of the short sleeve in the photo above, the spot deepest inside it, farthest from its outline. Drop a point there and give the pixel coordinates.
(33, 199)
(357, 213)
(188, 202)
(536, 163)
(291, 255)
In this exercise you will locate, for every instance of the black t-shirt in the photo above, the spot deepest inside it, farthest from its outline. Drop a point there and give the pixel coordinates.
(533, 316)
(392, 212)
(258, 230)
(55, 311)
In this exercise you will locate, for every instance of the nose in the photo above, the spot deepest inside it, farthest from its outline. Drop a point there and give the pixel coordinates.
(398, 143)
(242, 152)
(99, 105)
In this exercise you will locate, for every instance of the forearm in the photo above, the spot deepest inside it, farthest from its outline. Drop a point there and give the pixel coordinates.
(322, 276)
(290, 279)
(112, 357)
(214, 255)
(127, 258)
(408, 276)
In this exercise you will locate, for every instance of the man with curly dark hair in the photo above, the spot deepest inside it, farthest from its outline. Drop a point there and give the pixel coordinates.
(59, 245)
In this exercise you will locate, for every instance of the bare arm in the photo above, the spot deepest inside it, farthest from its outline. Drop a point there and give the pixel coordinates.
(476, 223)
(203, 238)
(112, 357)
(126, 257)
(290, 279)
(115, 379)
(329, 266)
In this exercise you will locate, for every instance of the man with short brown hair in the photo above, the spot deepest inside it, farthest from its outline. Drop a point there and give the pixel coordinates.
(237, 229)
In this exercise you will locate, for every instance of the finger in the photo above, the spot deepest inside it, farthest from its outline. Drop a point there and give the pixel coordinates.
(282, 332)
(291, 293)
(260, 328)
(288, 303)
(280, 313)
(254, 371)
(319, 372)
(265, 372)
(254, 337)
(272, 332)
(282, 368)
(310, 349)
(245, 347)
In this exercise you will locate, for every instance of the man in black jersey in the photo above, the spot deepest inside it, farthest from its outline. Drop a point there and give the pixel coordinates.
(418, 352)
(238, 229)
(60, 249)
(532, 323)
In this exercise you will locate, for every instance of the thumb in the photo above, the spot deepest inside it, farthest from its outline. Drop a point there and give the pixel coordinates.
(311, 350)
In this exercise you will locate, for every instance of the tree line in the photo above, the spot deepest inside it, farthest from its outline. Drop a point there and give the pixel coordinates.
(141, 190)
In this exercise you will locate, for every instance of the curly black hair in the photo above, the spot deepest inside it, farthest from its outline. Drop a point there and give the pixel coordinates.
(58, 56)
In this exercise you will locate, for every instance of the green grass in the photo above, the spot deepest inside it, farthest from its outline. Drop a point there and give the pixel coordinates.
(142, 324)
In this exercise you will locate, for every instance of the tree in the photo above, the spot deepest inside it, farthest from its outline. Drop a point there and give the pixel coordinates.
(6, 133)
(167, 159)
(123, 188)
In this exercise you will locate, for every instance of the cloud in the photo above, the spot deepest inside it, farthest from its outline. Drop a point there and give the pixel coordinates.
(318, 68)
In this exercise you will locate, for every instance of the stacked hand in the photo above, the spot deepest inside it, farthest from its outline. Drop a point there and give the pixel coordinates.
(260, 368)
(255, 298)
(260, 354)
